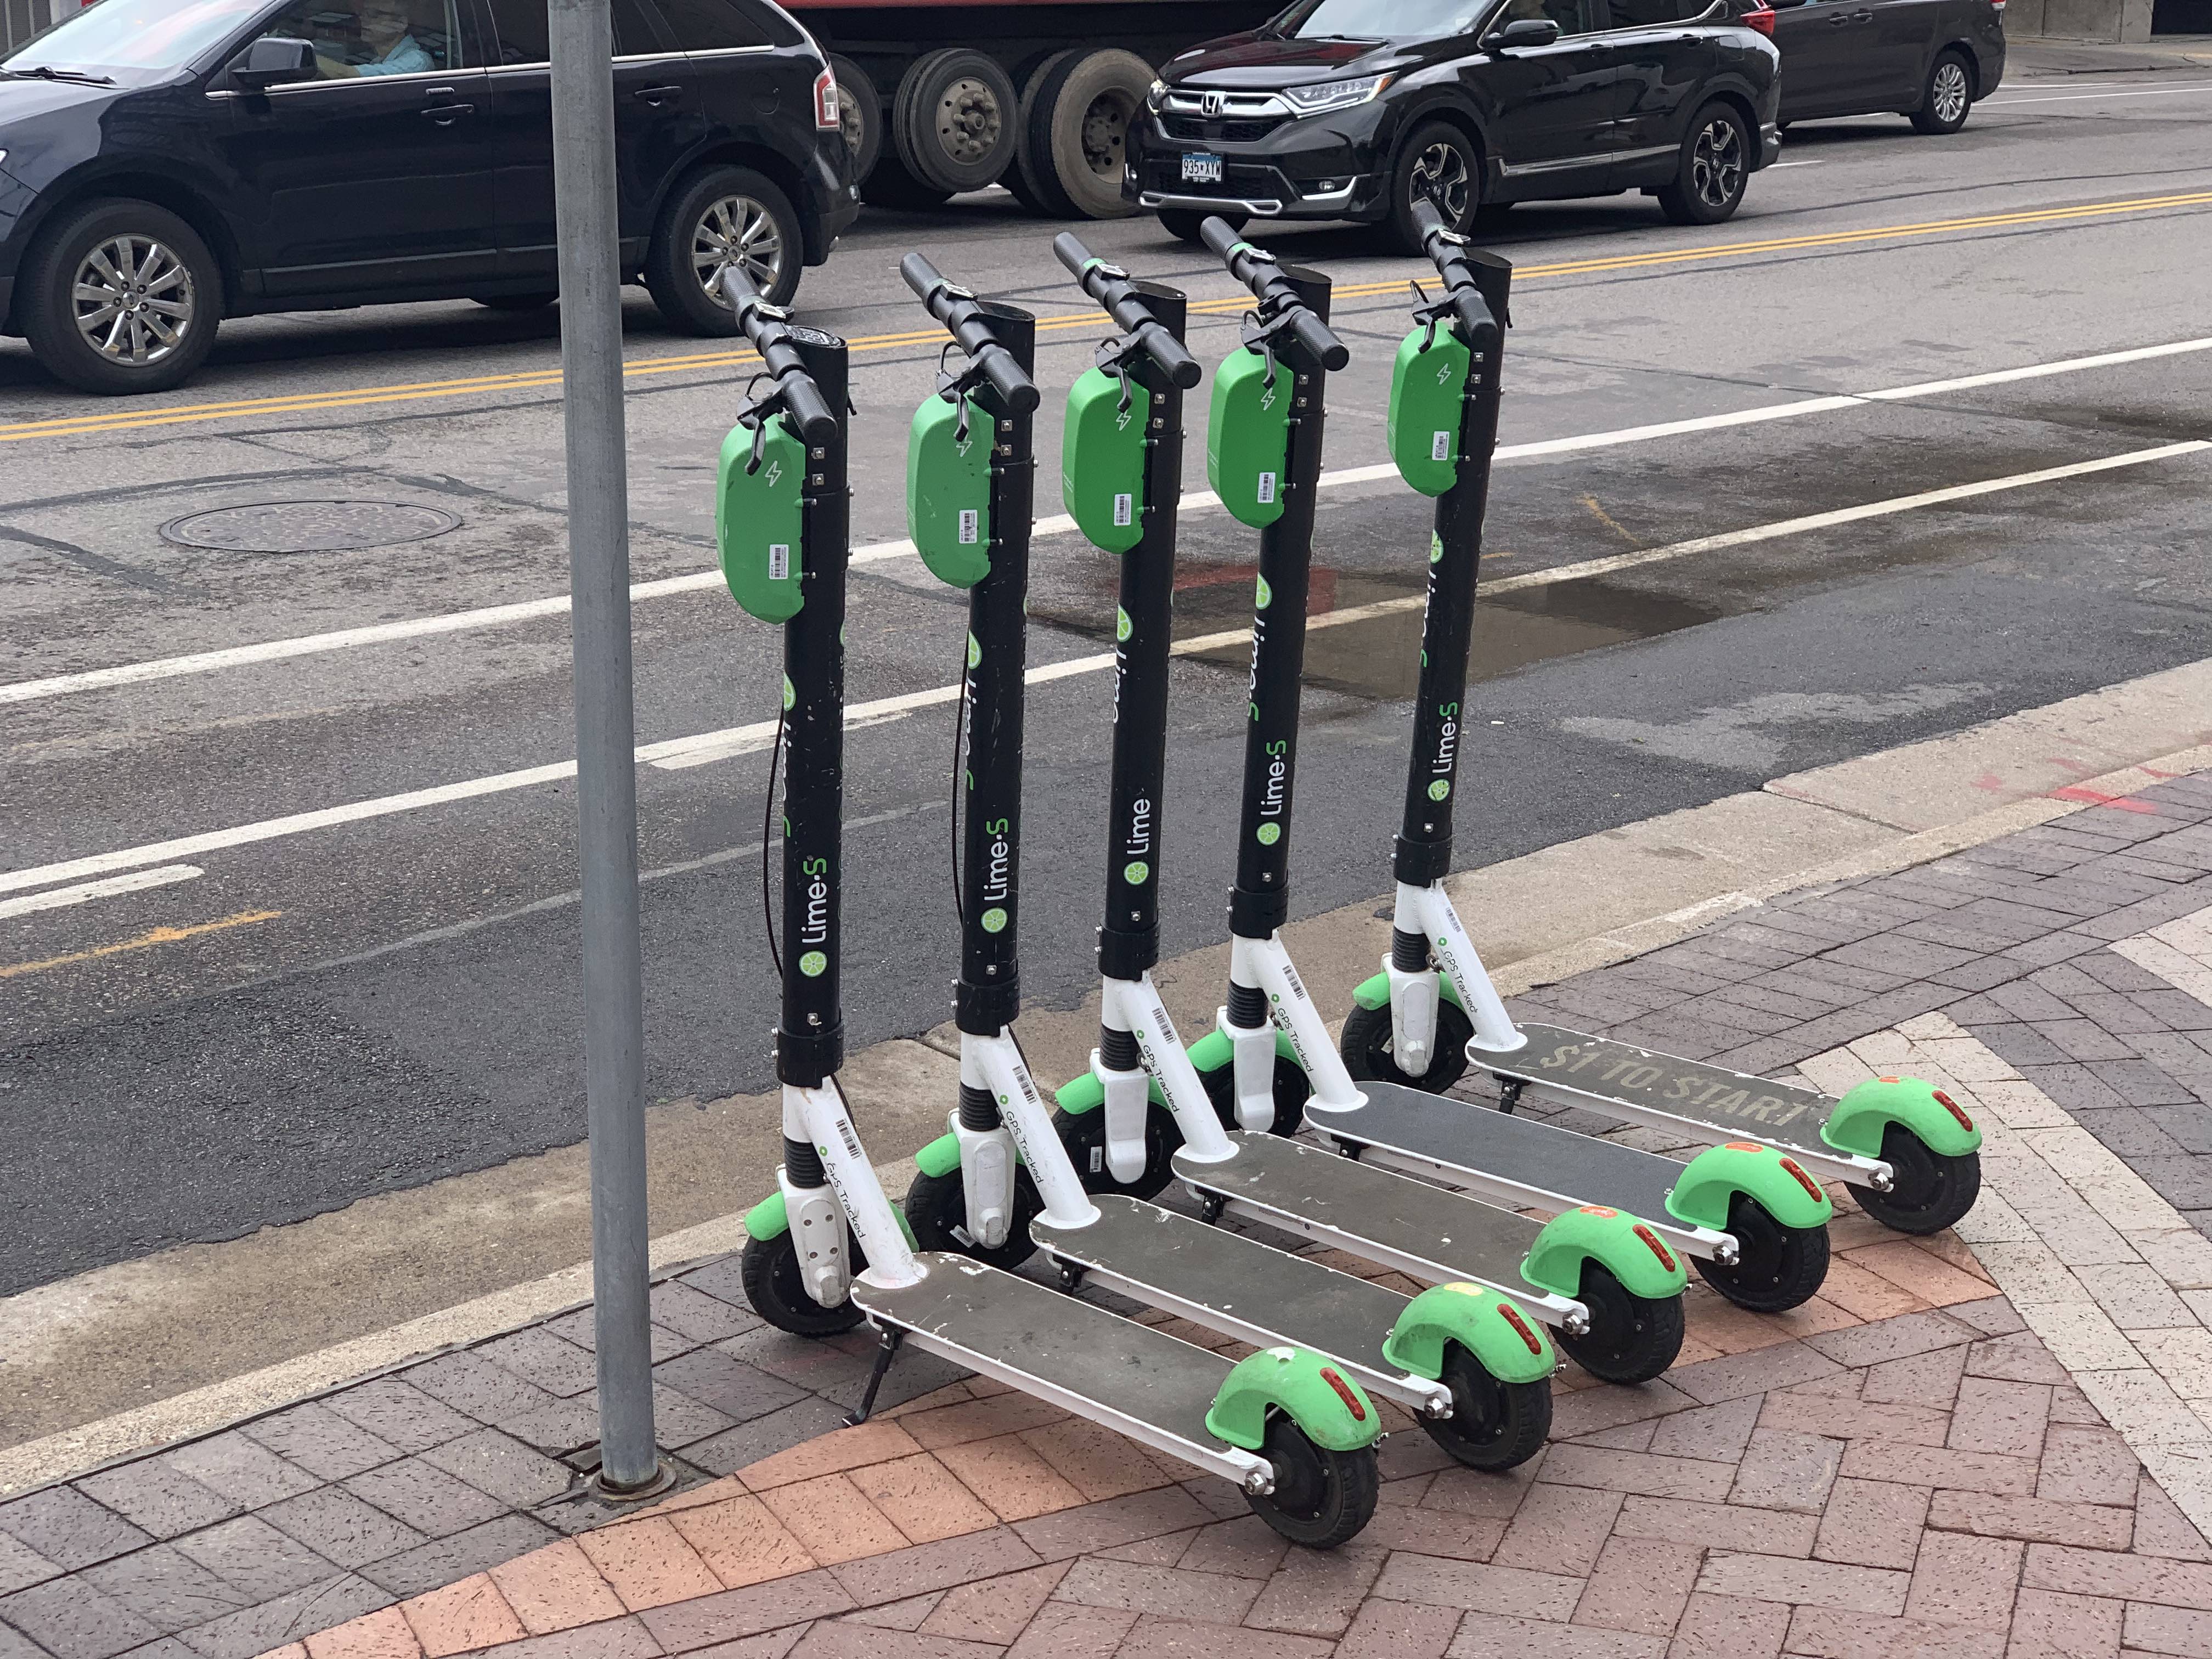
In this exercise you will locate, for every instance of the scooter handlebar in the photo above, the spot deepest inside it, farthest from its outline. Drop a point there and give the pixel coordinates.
(1001, 369)
(770, 336)
(1476, 322)
(1221, 238)
(808, 409)
(961, 314)
(1319, 340)
(1126, 307)
(1275, 292)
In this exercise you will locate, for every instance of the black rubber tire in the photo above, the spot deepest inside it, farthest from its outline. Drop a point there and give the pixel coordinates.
(769, 1269)
(1493, 1426)
(1926, 119)
(1182, 224)
(937, 1209)
(1072, 171)
(670, 275)
(1365, 1042)
(46, 298)
(1084, 1136)
(1708, 188)
(888, 184)
(1292, 1088)
(860, 113)
(517, 302)
(1415, 174)
(1632, 1338)
(1321, 1498)
(918, 114)
(1779, 1267)
(1932, 1191)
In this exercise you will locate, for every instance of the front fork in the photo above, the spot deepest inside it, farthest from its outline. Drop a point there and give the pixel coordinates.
(818, 1117)
(1264, 986)
(995, 1065)
(1426, 914)
(1138, 1046)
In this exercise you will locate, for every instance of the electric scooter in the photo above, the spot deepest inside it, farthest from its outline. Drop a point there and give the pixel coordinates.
(827, 1249)
(1908, 1153)
(1473, 1369)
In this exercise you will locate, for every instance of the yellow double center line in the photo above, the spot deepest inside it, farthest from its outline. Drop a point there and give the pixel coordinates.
(540, 379)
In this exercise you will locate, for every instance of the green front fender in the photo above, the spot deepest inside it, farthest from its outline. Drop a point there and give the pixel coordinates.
(1616, 1241)
(1332, 1410)
(1376, 993)
(1772, 1179)
(769, 1219)
(1213, 1051)
(1087, 1094)
(1863, 1116)
(1504, 1341)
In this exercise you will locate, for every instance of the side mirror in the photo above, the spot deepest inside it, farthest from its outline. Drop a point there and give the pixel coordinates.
(1522, 32)
(271, 60)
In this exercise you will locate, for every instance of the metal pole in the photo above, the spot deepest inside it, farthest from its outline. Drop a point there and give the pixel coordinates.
(606, 777)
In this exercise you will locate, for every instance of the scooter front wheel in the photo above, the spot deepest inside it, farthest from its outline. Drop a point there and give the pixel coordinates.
(1777, 1267)
(1084, 1135)
(937, 1209)
(1366, 1046)
(1321, 1498)
(1932, 1191)
(1493, 1425)
(1292, 1089)
(770, 1268)
(1631, 1338)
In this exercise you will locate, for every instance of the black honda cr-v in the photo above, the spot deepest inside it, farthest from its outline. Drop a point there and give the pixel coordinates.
(166, 163)
(1354, 109)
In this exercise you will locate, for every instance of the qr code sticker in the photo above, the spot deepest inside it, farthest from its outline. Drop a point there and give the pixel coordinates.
(778, 561)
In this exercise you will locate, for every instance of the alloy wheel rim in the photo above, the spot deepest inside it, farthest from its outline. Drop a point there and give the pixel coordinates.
(968, 120)
(736, 232)
(1440, 176)
(1950, 92)
(133, 300)
(1716, 163)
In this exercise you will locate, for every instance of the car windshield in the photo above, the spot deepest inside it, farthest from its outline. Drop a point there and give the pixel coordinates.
(1376, 20)
(136, 35)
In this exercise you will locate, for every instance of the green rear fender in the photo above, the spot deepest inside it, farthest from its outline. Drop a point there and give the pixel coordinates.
(1087, 1094)
(1332, 1410)
(1508, 1344)
(1616, 1241)
(1376, 993)
(1212, 1051)
(768, 1218)
(1862, 1115)
(1770, 1178)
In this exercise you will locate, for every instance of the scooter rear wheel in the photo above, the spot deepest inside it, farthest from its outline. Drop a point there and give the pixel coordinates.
(1631, 1338)
(1493, 1425)
(1084, 1135)
(770, 1268)
(1777, 1267)
(1321, 1498)
(1366, 1046)
(1932, 1191)
(937, 1209)
(1292, 1088)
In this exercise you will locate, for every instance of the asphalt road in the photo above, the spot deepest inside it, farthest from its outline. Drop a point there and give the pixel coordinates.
(322, 1010)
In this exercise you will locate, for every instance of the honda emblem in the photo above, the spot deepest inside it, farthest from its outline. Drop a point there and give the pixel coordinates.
(1210, 104)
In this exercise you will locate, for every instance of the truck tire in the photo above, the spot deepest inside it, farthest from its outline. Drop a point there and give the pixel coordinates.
(954, 118)
(1031, 177)
(859, 114)
(1075, 119)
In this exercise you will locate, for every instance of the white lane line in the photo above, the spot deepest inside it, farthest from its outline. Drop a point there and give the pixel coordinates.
(713, 745)
(162, 668)
(1793, 164)
(2084, 97)
(61, 897)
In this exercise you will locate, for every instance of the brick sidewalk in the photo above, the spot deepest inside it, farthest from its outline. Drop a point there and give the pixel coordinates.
(2073, 955)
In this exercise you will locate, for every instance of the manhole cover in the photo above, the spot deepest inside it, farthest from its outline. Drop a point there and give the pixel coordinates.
(308, 527)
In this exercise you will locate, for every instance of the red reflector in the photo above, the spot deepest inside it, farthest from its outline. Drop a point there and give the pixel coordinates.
(1812, 1187)
(1951, 1107)
(1344, 1393)
(1651, 1239)
(1762, 19)
(1519, 1325)
(1745, 1146)
(1598, 1209)
(1889, 1079)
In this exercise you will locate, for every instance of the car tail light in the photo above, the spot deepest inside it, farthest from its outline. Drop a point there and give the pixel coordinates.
(825, 102)
(1762, 19)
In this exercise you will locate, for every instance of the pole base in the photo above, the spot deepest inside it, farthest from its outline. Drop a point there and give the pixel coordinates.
(661, 1481)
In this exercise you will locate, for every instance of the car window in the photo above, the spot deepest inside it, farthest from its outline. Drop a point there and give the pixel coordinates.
(354, 39)
(520, 29)
(1649, 14)
(1378, 19)
(1573, 16)
(154, 34)
(711, 25)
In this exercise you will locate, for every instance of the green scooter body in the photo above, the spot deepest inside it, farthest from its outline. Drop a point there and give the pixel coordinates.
(948, 489)
(758, 512)
(1428, 388)
(1248, 437)
(1101, 459)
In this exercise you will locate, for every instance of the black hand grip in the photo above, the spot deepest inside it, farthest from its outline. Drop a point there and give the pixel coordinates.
(923, 278)
(1221, 237)
(808, 409)
(1071, 252)
(1320, 342)
(1164, 348)
(1427, 219)
(1001, 369)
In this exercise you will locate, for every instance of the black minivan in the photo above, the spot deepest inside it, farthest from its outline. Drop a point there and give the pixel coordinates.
(166, 163)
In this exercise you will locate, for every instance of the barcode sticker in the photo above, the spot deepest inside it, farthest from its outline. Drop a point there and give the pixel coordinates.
(852, 1141)
(1440, 447)
(1266, 487)
(1125, 509)
(968, 526)
(778, 561)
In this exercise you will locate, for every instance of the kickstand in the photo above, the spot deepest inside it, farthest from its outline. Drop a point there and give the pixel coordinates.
(1508, 1093)
(1210, 1206)
(886, 1351)
(1071, 1276)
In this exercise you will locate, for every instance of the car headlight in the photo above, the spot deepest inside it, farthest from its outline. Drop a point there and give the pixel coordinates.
(1336, 94)
(1154, 93)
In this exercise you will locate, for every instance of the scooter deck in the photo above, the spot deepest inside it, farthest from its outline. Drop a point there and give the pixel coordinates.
(1229, 1283)
(1555, 1167)
(1151, 1385)
(1727, 1105)
(1433, 1235)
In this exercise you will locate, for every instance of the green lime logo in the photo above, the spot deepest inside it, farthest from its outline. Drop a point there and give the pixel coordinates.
(790, 695)
(814, 964)
(1270, 834)
(1436, 547)
(994, 919)
(1136, 872)
(1439, 789)
(974, 651)
(1120, 623)
(1263, 594)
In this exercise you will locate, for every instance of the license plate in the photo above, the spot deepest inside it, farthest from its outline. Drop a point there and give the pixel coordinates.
(1201, 169)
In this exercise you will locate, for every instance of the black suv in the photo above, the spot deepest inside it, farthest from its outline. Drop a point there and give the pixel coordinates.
(1354, 109)
(166, 163)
